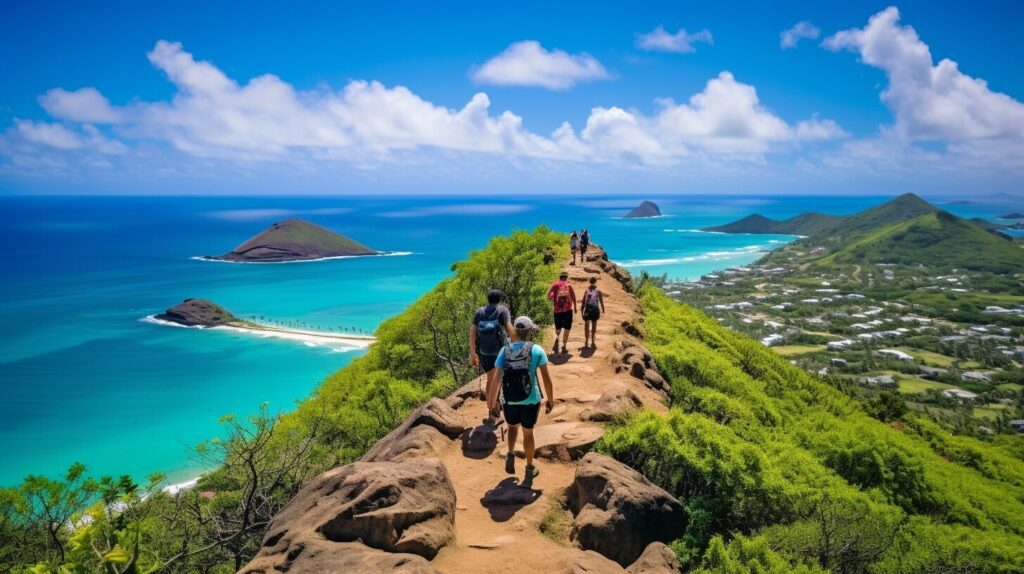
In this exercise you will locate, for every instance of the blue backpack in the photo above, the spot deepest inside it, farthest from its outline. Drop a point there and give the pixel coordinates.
(490, 335)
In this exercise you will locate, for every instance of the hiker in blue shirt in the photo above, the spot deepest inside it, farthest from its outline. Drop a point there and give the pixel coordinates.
(517, 367)
(491, 328)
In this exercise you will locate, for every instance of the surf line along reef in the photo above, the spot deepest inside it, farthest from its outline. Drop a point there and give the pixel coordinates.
(203, 314)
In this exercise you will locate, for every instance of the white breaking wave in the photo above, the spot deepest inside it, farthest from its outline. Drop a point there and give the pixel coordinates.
(336, 342)
(696, 231)
(709, 256)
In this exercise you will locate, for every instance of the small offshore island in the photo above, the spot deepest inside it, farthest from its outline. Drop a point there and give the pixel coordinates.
(204, 314)
(294, 240)
(645, 209)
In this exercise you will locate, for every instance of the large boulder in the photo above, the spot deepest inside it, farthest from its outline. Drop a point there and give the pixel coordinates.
(410, 439)
(618, 512)
(401, 507)
(615, 401)
(315, 554)
(590, 562)
(656, 559)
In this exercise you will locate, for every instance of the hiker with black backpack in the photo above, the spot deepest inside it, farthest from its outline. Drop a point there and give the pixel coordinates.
(491, 328)
(584, 244)
(593, 306)
(518, 364)
(563, 300)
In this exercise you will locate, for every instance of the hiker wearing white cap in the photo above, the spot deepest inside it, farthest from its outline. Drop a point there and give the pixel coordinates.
(517, 367)
(490, 329)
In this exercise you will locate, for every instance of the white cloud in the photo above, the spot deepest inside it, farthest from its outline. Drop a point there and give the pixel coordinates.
(659, 40)
(50, 135)
(801, 30)
(86, 105)
(930, 102)
(212, 118)
(527, 63)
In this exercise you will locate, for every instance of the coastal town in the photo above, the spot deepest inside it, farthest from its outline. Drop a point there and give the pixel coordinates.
(951, 344)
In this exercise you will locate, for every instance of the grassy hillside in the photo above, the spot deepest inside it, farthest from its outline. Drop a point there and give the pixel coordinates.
(809, 223)
(939, 240)
(904, 208)
(780, 472)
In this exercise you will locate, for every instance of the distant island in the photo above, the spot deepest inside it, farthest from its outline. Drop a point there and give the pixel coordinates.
(206, 314)
(199, 313)
(1014, 215)
(645, 209)
(294, 240)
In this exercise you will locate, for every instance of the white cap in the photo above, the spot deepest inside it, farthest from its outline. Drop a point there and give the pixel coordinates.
(524, 323)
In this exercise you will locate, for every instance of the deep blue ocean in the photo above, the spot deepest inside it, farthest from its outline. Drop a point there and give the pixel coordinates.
(84, 378)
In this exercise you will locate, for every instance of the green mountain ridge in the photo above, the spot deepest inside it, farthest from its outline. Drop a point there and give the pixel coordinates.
(804, 224)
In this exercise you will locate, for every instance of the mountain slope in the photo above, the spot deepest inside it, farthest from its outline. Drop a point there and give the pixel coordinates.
(937, 239)
(295, 240)
(905, 207)
(804, 224)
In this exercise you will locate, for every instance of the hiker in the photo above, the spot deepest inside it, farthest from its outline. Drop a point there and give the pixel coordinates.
(584, 244)
(518, 364)
(491, 327)
(563, 300)
(593, 306)
(574, 245)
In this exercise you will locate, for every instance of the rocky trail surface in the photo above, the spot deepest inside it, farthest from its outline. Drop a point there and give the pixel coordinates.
(433, 495)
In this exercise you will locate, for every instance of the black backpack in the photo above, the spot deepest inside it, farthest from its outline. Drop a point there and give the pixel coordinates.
(516, 381)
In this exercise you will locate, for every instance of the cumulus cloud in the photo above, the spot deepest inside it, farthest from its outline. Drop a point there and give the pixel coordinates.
(930, 102)
(801, 30)
(86, 105)
(527, 63)
(365, 124)
(659, 40)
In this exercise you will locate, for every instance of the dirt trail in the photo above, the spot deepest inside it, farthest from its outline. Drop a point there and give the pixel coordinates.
(495, 538)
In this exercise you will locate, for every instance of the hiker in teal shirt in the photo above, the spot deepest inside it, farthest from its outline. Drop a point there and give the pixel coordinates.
(517, 366)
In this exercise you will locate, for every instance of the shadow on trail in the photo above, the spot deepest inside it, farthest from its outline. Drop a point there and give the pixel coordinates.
(505, 499)
(586, 352)
(559, 358)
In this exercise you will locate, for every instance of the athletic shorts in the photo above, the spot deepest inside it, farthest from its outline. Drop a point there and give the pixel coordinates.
(525, 415)
(487, 362)
(591, 315)
(563, 320)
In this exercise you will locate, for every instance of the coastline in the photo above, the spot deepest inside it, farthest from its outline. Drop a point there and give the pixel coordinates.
(339, 342)
(381, 254)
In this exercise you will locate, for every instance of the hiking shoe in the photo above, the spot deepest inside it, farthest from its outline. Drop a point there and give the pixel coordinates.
(510, 463)
(531, 473)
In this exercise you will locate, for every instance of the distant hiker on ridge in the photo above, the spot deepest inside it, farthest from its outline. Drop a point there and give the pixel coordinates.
(563, 300)
(491, 328)
(593, 306)
(584, 244)
(518, 364)
(574, 245)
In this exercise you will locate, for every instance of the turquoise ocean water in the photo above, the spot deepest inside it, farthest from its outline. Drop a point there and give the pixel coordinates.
(84, 378)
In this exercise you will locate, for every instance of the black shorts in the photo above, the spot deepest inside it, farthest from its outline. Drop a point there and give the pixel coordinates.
(525, 415)
(487, 362)
(563, 320)
(591, 315)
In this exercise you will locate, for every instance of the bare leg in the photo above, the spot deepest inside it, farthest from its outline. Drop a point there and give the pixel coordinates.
(558, 334)
(513, 434)
(528, 445)
(565, 340)
(593, 334)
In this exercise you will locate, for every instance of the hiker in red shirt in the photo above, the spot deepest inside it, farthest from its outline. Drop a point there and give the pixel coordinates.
(563, 299)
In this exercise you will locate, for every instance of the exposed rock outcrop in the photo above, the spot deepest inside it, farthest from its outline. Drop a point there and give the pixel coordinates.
(198, 313)
(615, 401)
(656, 559)
(400, 507)
(410, 440)
(294, 240)
(618, 512)
(325, 557)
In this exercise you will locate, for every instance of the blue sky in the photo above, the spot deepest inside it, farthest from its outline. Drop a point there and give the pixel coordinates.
(577, 97)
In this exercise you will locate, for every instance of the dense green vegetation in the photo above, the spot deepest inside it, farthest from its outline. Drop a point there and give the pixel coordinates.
(781, 472)
(938, 239)
(809, 223)
(77, 524)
